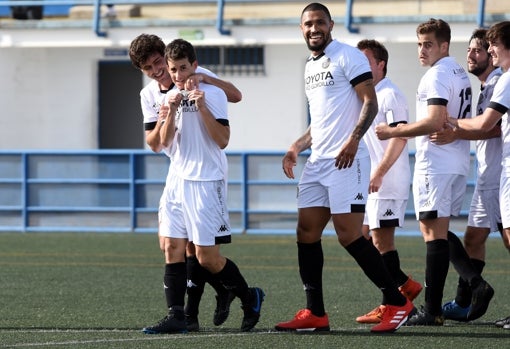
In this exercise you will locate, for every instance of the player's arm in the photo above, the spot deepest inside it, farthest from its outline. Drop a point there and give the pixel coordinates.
(152, 136)
(391, 154)
(290, 158)
(217, 128)
(449, 133)
(366, 93)
(167, 129)
(232, 92)
(433, 122)
(484, 122)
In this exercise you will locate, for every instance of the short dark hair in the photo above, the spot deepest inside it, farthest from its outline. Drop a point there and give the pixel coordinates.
(144, 46)
(440, 28)
(180, 49)
(500, 32)
(315, 6)
(378, 50)
(480, 35)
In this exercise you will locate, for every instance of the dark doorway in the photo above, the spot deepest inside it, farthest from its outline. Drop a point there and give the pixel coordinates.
(120, 114)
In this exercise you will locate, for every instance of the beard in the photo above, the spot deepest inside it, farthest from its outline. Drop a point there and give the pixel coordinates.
(479, 69)
(319, 47)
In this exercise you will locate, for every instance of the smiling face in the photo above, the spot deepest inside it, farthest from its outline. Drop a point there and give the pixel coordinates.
(316, 27)
(500, 55)
(180, 70)
(478, 58)
(155, 68)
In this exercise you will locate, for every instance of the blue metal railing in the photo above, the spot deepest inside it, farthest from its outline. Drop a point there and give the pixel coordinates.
(119, 190)
(96, 22)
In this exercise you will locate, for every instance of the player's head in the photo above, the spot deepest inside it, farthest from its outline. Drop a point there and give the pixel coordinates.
(438, 27)
(316, 26)
(144, 46)
(181, 60)
(500, 32)
(478, 57)
(147, 54)
(377, 56)
(433, 41)
(499, 44)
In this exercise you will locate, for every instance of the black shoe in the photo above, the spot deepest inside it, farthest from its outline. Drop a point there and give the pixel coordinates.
(192, 324)
(480, 299)
(252, 309)
(422, 318)
(222, 310)
(169, 324)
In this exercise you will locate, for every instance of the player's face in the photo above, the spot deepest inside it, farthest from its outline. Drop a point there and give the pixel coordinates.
(180, 70)
(430, 50)
(478, 59)
(375, 65)
(155, 68)
(316, 28)
(500, 55)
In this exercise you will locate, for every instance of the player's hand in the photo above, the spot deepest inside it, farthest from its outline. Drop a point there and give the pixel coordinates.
(193, 82)
(288, 163)
(198, 96)
(444, 136)
(173, 97)
(345, 158)
(383, 131)
(375, 184)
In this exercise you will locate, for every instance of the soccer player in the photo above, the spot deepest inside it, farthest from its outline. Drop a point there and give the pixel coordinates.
(484, 214)
(195, 132)
(440, 173)
(147, 54)
(334, 182)
(390, 176)
(498, 36)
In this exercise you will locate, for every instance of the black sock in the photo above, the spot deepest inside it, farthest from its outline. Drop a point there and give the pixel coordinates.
(195, 285)
(392, 262)
(215, 283)
(463, 296)
(478, 264)
(460, 259)
(167, 280)
(175, 283)
(311, 262)
(371, 262)
(436, 270)
(232, 279)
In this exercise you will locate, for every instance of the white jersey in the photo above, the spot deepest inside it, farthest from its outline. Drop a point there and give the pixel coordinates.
(445, 83)
(392, 110)
(152, 98)
(196, 157)
(333, 103)
(488, 151)
(500, 101)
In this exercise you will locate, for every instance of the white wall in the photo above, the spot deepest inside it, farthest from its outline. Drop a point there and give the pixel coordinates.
(48, 94)
(48, 98)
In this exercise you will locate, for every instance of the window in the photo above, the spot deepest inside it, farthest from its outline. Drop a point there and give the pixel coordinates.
(237, 60)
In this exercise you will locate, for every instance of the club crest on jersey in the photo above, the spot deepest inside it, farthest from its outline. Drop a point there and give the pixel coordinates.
(326, 63)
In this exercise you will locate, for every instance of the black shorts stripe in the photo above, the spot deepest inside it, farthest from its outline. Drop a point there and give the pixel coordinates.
(388, 223)
(357, 208)
(427, 215)
(225, 239)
